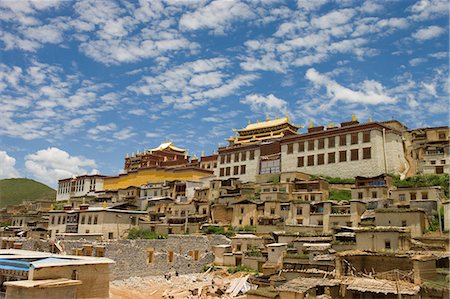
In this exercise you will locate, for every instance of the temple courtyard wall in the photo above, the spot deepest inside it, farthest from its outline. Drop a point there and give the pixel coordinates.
(138, 258)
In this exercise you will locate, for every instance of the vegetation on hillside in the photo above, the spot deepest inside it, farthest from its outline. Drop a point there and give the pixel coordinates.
(17, 191)
(339, 195)
(425, 180)
(334, 180)
(144, 234)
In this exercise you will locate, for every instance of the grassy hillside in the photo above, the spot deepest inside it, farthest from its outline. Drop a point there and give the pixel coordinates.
(16, 191)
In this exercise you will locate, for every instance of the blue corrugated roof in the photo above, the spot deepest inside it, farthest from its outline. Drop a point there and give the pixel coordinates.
(7, 264)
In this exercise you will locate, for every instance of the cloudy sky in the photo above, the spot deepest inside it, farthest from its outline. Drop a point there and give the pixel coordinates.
(82, 83)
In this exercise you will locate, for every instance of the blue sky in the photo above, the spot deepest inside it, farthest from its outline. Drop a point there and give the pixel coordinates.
(82, 83)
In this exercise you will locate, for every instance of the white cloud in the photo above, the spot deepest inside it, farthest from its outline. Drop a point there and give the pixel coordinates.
(428, 33)
(266, 104)
(124, 134)
(193, 84)
(7, 169)
(334, 18)
(371, 93)
(51, 164)
(417, 61)
(217, 15)
(429, 9)
(138, 112)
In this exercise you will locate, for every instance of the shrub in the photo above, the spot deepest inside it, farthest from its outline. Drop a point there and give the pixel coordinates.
(144, 234)
(241, 268)
(425, 180)
(339, 195)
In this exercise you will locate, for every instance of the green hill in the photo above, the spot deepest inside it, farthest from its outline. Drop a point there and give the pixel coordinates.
(16, 191)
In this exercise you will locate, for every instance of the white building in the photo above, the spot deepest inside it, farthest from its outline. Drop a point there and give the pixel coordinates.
(80, 186)
(353, 149)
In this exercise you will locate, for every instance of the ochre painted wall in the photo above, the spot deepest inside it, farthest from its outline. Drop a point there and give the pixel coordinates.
(145, 176)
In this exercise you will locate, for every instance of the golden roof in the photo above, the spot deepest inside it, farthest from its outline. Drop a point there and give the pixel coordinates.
(168, 145)
(266, 124)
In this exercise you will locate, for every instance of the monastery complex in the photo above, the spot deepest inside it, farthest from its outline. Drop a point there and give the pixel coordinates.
(336, 211)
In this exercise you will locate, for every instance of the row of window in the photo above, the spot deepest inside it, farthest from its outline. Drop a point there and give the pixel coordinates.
(331, 157)
(433, 162)
(62, 219)
(226, 171)
(310, 145)
(242, 156)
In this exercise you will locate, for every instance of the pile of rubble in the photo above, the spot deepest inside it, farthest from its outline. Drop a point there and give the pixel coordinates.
(206, 285)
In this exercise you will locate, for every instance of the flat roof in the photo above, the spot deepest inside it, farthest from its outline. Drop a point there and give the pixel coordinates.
(45, 283)
(45, 259)
(277, 244)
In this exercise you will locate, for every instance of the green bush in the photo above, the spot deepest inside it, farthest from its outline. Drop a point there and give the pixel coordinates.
(144, 234)
(245, 228)
(339, 195)
(425, 180)
(241, 268)
(218, 230)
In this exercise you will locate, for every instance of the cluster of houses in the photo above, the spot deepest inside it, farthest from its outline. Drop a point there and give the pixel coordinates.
(307, 235)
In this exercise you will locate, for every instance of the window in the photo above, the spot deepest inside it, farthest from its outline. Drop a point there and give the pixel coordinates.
(300, 161)
(244, 156)
(251, 221)
(367, 153)
(354, 138)
(443, 162)
(387, 244)
(433, 162)
(204, 211)
(321, 143)
(150, 255)
(242, 210)
(53, 219)
(311, 160)
(236, 170)
(299, 210)
(89, 220)
(272, 211)
(290, 148)
(242, 169)
(342, 156)
(82, 219)
(299, 221)
(236, 157)
(222, 171)
(252, 155)
(238, 247)
(354, 154)
(439, 169)
(374, 194)
(170, 256)
(95, 219)
(403, 223)
(59, 219)
(301, 146)
(331, 158)
(270, 166)
(360, 195)
(366, 136)
(240, 221)
(331, 142)
(412, 195)
(441, 135)
(320, 159)
(110, 235)
(64, 220)
(343, 140)
(424, 195)
(227, 171)
(311, 145)
(222, 159)
(228, 158)
(284, 207)
(320, 222)
(401, 197)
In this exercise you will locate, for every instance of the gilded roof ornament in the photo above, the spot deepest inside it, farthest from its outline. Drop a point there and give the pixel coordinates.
(203, 154)
(310, 124)
(370, 119)
(354, 117)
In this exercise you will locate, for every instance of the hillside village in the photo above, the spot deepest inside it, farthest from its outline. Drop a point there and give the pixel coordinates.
(356, 210)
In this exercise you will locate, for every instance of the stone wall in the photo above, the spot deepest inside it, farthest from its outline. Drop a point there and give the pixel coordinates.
(181, 253)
